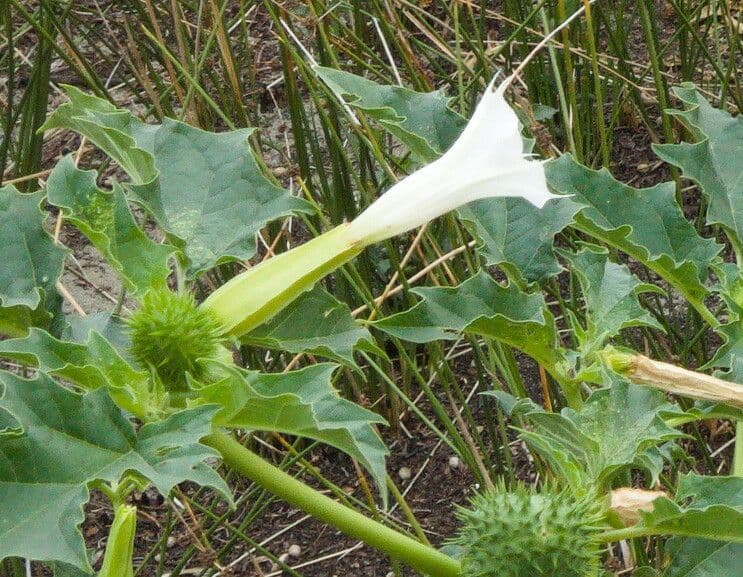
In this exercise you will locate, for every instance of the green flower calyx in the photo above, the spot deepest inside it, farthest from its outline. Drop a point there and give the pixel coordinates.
(173, 337)
(525, 533)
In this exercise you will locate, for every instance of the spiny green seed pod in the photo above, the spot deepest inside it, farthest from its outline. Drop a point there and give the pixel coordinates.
(524, 533)
(170, 334)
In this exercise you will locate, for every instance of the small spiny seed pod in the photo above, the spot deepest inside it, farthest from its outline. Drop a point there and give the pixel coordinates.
(524, 533)
(170, 335)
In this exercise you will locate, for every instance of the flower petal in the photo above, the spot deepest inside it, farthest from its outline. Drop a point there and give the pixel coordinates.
(486, 160)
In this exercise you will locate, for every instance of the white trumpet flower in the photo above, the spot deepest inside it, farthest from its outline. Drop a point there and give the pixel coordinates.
(486, 160)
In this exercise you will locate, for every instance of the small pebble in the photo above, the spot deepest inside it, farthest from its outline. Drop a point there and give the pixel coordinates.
(280, 171)
(294, 550)
(172, 540)
(454, 462)
(404, 473)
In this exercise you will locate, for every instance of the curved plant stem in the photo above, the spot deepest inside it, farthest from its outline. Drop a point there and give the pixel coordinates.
(624, 534)
(398, 546)
(117, 560)
(738, 455)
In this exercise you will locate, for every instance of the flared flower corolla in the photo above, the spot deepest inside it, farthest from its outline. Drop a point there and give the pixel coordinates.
(486, 160)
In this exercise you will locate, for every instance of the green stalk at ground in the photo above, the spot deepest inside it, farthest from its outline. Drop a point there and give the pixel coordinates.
(117, 560)
(398, 546)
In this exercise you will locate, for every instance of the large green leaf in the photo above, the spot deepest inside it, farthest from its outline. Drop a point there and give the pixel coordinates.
(422, 121)
(67, 442)
(15, 321)
(613, 430)
(709, 508)
(702, 557)
(70, 361)
(31, 263)
(316, 323)
(730, 354)
(108, 223)
(205, 189)
(110, 128)
(519, 236)
(646, 223)
(610, 296)
(302, 403)
(91, 365)
(714, 161)
(483, 307)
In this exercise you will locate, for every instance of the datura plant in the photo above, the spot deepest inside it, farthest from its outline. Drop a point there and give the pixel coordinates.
(485, 161)
(148, 394)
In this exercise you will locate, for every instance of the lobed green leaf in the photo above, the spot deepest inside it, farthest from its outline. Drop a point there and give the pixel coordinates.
(32, 264)
(481, 306)
(518, 236)
(67, 442)
(422, 121)
(610, 293)
(302, 403)
(204, 189)
(315, 323)
(709, 508)
(613, 431)
(713, 161)
(707, 557)
(105, 219)
(647, 224)
(90, 366)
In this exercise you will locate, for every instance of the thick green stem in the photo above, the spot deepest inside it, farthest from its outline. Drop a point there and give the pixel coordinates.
(738, 455)
(117, 560)
(626, 533)
(398, 546)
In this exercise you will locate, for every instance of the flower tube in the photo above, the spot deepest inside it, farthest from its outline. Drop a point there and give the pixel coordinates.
(486, 160)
